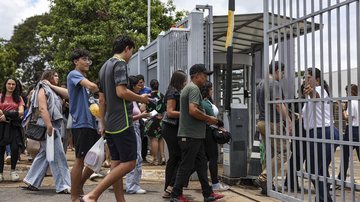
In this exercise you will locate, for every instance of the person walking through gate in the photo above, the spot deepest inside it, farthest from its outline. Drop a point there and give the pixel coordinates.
(118, 128)
(355, 118)
(275, 92)
(83, 126)
(315, 113)
(211, 147)
(170, 127)
(191, 136)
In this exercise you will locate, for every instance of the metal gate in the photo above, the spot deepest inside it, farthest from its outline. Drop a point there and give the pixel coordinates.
(310, 137)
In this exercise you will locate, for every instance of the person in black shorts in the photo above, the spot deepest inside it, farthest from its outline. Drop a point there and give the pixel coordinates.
(116, 105)
(83, 124)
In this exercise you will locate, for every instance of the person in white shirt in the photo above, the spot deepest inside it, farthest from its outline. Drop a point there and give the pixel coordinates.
(316, 116)
(353, 107)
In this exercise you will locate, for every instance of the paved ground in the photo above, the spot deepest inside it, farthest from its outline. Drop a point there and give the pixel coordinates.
(152, 181)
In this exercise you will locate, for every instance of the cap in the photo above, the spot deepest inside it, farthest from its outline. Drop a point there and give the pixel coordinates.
(198, 68)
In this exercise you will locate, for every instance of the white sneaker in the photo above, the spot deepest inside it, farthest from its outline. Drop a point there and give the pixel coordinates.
(140, 191)
(14, 176)
(96, 175)
(220, 187)
(1, 177)
(8, 160)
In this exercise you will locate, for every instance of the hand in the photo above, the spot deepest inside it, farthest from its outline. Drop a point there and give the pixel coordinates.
(2, 118)
(1, 112)
(47, 82)
(308, 90)
(101, 129)
(212, 120)
(145, 98)
(289, 128)
(145, 114)
(297, 116)
(50, 130)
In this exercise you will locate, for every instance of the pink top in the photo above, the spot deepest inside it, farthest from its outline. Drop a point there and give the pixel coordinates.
(9, 103)
(136, 109)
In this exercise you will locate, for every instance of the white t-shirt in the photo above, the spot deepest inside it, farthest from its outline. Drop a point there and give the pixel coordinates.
(215, 110)
(354, 112)
(309, 113)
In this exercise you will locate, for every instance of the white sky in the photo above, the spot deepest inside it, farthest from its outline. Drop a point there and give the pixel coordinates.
(13, 12)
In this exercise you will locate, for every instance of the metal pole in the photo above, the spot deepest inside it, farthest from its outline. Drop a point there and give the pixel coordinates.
(229, 55)
(149, 22)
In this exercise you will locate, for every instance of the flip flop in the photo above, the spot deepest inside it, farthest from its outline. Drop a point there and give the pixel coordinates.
(65, 191)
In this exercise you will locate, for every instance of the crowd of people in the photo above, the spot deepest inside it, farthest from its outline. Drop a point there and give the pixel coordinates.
(129, 113)
(312, 120)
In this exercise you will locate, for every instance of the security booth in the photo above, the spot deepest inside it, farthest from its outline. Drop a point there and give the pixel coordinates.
(199, 39)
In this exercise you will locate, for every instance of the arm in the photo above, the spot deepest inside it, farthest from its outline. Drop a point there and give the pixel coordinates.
(44, 113)
(89, 85)
(102, 107)
(170, 109)
(123, 92)
(63, 92)
(196, 113)
(140, 116)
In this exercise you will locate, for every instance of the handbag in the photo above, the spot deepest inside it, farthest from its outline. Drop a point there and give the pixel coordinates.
(171, 121)
(35, 132)
(220, 136)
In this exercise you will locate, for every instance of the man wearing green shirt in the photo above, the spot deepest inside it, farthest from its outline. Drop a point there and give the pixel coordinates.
(191, 135)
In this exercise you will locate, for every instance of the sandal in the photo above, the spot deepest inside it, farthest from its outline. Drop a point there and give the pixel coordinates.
(166, 195)
(29, 188)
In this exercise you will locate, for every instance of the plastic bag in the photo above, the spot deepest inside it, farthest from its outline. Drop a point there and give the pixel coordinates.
(50, 147)
(95, 156)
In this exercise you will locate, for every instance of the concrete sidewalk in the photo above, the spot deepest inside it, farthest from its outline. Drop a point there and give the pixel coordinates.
(152, 181)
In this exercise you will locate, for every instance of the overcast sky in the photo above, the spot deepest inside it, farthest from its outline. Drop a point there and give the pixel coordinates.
(13, 12)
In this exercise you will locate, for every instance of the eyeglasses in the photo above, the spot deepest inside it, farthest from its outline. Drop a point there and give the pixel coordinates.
(86, 59)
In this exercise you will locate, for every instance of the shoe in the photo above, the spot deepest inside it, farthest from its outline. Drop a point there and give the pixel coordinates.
(217, 196)
(219, 187)
(163, 162)
(1, 177)
(209, 198)
(96, 175)
(140, 191)
(14, 176)
(65, 191)
(8, 160)
(180, 198)
(29, 187)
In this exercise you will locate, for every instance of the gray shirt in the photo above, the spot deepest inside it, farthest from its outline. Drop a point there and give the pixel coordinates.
(275, 93)
(190, 126)
(118, 116)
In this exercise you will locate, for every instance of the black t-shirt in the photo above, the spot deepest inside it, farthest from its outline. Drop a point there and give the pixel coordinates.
(173, 94)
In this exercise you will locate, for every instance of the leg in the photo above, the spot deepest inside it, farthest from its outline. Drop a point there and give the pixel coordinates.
(346, 155)
(154, 149)
(170, 136)
(201, 169)
(76, 179)
(188, 149)
(14, 155)
(118, 185)
(133, 177)
(2, 152)
(162, 149)
(59, 167)
(38, 168)
(114, 176)
(211, 151)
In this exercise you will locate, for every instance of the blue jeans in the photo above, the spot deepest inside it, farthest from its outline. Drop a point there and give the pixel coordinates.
(133, 177)
(320, 156)
(8, 150)
(346, 148)
(59, 168)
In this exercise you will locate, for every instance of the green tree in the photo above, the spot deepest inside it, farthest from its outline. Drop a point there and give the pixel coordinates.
(7, 64)
(93, 24)
(26, 41)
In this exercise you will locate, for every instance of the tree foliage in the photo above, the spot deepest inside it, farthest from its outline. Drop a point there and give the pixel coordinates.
(27, 42)
(93, 24)
(7, 57)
